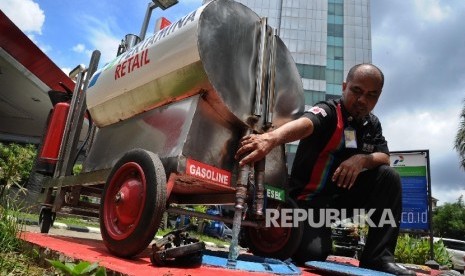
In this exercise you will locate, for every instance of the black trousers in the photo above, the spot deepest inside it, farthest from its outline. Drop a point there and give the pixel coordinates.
(378, 189)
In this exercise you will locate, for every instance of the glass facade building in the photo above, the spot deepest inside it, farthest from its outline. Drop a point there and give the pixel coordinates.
(325, 37)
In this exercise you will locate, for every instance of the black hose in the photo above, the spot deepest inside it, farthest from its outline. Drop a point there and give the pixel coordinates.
(86, 140)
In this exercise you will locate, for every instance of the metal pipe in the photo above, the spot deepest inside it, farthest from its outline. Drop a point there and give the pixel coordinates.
(66, 133)
(261, 64)
(241, 194)
(68, 148)
(271, 81)
(81, 107)
(280, 12)
(430, 207)
(233, 250)
(251, 188)
(260, 181)
(265, 81)
(145, 24)
(242, 181)
(241, 187)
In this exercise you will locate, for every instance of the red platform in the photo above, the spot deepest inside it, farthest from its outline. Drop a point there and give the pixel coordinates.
(92, 250)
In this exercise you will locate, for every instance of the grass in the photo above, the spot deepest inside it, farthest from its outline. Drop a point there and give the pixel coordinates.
(17, 259)
(78, 221)
(13, 261)
(206, 238)
(75, 221)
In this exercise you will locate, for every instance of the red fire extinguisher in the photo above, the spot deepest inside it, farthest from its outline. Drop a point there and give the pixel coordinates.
(55, 129)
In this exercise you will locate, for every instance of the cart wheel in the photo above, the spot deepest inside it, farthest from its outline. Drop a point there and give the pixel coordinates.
(46, 219)
(133, 202)
(274, 242)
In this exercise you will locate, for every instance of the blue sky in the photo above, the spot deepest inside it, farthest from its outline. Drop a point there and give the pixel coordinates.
(419, 44)
(68, 31)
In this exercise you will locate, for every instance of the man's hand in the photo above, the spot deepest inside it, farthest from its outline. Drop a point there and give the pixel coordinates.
(346, 174)
(254, 147)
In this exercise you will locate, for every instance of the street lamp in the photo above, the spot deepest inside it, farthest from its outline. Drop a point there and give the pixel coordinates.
(162, 4)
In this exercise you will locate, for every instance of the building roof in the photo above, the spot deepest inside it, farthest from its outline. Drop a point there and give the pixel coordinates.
(26, 75)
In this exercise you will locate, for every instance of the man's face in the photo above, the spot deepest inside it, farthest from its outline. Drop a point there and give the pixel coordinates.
(361, 94)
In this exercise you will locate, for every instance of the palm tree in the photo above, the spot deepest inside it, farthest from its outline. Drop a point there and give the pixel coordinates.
(460, 138)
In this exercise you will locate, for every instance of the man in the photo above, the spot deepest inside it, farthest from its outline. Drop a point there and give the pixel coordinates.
(342, 162)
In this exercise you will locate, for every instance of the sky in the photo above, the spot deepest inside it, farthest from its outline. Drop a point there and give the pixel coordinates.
(419, 45)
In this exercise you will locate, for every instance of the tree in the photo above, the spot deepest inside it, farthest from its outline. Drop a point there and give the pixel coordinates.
(449, 220)
(459, 144)
(15, 165)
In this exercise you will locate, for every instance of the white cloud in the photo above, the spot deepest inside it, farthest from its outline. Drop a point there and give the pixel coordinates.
(26, 14)
(79, 48)
(106, 43)
(447, 196)
(432, 130)
(101, 37)
(422, 129)
(432, 10)
(44, 47)
(192, 2)
(66, 70)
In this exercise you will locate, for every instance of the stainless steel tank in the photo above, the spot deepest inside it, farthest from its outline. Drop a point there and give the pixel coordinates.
(184, 96)
(212, 50)
(188, 91)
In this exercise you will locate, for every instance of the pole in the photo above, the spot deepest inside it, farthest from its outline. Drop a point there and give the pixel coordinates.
(145, 24)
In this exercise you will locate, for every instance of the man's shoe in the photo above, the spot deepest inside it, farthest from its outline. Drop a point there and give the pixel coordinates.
(392, 268)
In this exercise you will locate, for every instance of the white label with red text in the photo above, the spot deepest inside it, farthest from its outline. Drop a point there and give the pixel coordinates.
(207, 172)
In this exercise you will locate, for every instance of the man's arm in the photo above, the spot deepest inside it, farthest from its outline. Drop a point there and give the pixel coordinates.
(348, 171)
(254, 147)
(375, 159)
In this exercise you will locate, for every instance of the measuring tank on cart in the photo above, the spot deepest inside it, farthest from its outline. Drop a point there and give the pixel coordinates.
(186, 95)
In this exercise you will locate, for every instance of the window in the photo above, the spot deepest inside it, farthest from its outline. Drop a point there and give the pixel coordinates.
(315, 72)
(335, 52)
(335, 30)
(312, 96)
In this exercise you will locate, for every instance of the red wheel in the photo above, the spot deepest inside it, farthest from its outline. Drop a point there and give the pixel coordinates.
(133, 203)
(124, 201)
(274, 242)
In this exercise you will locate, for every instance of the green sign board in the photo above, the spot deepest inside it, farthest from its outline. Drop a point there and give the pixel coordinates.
(275, 193)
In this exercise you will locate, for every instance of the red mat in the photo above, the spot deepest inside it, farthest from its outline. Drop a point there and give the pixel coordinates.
(94, 251)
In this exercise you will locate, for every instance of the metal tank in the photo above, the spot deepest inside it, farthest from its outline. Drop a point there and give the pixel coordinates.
(212, 50)
(189, 91)
(168, 116)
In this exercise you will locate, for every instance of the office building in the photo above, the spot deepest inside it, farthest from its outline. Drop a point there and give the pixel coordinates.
(325, 37)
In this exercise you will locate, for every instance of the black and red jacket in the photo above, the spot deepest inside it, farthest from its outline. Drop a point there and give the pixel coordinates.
(319, 154)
